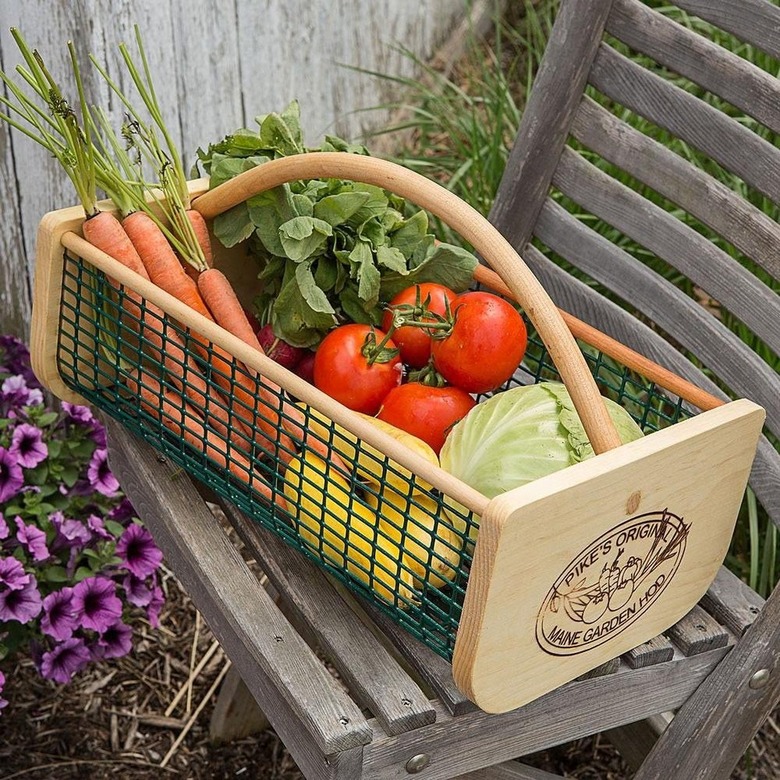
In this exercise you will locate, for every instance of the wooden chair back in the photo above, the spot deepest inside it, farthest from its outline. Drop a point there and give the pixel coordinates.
(616, 75)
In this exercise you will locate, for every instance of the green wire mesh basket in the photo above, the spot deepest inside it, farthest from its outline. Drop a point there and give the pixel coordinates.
(481, 582)
(97, 357)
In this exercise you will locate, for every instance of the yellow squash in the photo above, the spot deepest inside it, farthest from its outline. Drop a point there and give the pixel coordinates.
(431, 547)
(371, 465)
(338, 525)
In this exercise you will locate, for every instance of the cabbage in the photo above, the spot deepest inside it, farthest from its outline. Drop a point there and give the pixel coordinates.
(522, 434)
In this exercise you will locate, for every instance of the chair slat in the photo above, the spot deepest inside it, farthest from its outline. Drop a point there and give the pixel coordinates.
(586, 303)
(657, 650)
(710, 66)
(707, 266)
(698, 632)
(731, 602)
(558, 87)
(750, 230)
(725, 140)
(373, 676)
(690, 324)
(753, 21)
(431, 668)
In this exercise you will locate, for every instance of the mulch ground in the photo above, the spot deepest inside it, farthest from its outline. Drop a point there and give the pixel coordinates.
(121, 719)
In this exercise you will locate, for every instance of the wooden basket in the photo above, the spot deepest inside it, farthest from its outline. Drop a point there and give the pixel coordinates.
(568, 571)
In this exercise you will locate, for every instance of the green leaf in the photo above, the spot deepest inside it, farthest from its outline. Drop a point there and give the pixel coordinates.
(373, 231)
(412, 231)
(224, 167)
(291, 116)
(312, 294)
(445, 264)
(375, 206)
(303, 205)
(336, 144)
(82, 573)
(337, 209)
(391, 257)
(277, 134)
(53, 573)
(114, 528)
(234, 225)
(269, 211)
(326, 272)
(354, 308)
(303, 237)
(47, 419)
(295, 321)
(39, 474)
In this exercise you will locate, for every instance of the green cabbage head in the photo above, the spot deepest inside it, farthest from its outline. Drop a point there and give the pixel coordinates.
(520, 435)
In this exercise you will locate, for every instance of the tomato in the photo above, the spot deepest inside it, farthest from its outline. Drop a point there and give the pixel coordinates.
(484, 347)
(351, 367)
(413, 342)
(426, 412)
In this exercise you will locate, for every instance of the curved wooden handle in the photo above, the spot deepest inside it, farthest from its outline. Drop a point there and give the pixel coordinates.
(466, 221)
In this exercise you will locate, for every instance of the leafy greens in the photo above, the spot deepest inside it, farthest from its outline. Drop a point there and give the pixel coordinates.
(329, 250)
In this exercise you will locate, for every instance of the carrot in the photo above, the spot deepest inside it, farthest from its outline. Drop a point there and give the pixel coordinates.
(104, 231)
(160, 261)
(202, 234)
(229, 314)
(176, 414)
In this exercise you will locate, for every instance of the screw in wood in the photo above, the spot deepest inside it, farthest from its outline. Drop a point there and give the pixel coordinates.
(759, 679)
(417, 763)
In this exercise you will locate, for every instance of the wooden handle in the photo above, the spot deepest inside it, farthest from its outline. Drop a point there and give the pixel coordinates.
(466, 221)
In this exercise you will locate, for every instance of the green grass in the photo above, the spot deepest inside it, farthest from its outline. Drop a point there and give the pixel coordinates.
(458, 129)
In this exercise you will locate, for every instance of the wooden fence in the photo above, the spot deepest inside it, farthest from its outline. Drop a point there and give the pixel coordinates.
(216, 66)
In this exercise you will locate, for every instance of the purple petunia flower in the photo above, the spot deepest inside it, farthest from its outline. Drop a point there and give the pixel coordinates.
(31, 537)
(96, 604)
(59, 619)
(14, 390)
(122, 512)
(155, 606)
(138, 593)
(138, 551)
(99, 474)
(11, 475)
(3, 528)
(12, 574)
(65, 660)
(80, 414)
(15, 358)
(70, 533)
(115, 642)
(97, 527)
(27, 446)
(23, 604)
(3, 702)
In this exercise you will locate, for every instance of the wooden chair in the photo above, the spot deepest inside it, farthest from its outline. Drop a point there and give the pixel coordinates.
(396, 710)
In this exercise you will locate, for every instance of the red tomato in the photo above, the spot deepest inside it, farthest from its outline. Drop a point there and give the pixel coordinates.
(426, 412)
(343, 367)
(415, 343)
(485, 346)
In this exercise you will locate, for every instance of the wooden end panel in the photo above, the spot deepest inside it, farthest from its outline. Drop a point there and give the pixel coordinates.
(579, 567)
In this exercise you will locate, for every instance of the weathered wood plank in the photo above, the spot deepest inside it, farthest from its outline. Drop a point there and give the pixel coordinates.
(745, 86)
(431, 668)
(680, 316)
(635, 740)
(725, 140)
(655, 651)
(705, 737)
(235, 713)
(753, 21)
(373, 677)
(709, 267)
(713, 203)
(473, 741)
(511, 770)
(15, 293)
(547, 117)
(731, 602)
(698, 632)
(278, 667)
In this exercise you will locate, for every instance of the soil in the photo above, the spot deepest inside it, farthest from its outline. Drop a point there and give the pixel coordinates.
(116, 720)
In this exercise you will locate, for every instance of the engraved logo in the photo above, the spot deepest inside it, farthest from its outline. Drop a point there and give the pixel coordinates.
(611, 583)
